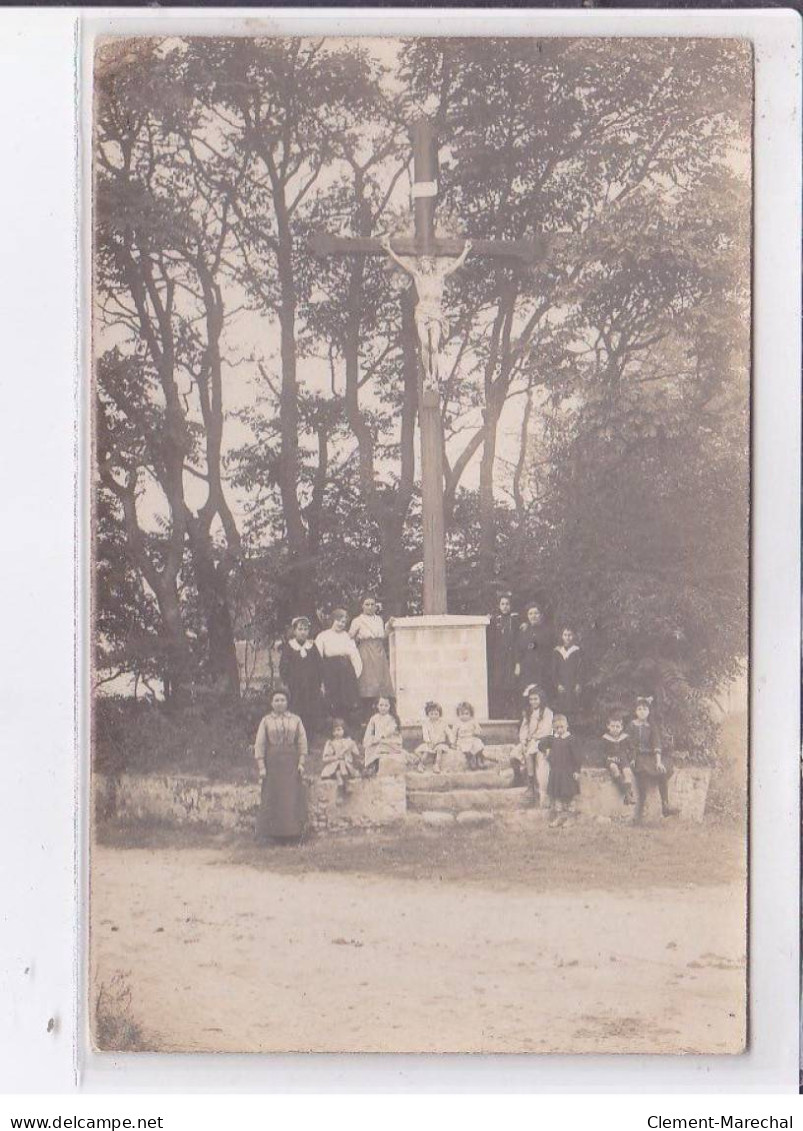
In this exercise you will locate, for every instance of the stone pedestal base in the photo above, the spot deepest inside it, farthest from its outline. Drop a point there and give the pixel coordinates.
(441, 658)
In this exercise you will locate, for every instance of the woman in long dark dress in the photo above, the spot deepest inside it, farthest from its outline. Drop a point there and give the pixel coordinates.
(533, 647)
(502, 637)
(280, 751)
(300, 669)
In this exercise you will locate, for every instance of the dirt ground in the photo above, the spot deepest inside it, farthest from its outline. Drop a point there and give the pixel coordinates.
(527, 941)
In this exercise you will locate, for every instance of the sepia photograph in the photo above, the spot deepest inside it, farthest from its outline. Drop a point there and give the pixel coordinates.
(420, 516)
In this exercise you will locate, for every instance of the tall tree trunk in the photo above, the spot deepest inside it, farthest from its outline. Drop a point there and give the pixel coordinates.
(211, 580)
(177, 655)
(302, 564)
(487, 547)
(211, 576)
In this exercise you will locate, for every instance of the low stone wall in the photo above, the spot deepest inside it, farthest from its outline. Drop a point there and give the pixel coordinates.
(688, 789)
(369, 803)
(177, 800)
(186, 800)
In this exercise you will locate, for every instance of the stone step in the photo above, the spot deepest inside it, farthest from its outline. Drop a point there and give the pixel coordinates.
(494, 731)
(453, 762)
(469, 779)
(459, 800)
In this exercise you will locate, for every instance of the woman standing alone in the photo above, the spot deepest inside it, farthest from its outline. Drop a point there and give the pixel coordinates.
(280, 751)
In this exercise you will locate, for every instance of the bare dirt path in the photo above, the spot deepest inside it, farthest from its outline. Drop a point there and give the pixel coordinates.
(222, 956)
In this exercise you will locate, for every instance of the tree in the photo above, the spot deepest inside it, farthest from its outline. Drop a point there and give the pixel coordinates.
(613, 354)
(163, 230)
(577, 129)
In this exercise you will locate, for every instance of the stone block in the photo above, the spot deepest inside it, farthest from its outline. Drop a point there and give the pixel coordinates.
(458, 800)
(437, 818)
(392, 766)
(441, 658)
(466, 779)
(452, 762)
(186, 800)
(370, 801)
(474, 817)
(599, 797)
(688, 788)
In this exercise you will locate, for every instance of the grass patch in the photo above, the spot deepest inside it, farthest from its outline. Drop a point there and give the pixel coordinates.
(114, 1028)
(136, 737)
(517, 852)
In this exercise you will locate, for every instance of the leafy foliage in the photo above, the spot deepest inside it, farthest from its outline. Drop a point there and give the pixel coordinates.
(595, 399)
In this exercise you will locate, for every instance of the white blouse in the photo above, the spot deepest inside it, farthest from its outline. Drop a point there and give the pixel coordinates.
(536, 727)
(364, 627)
(332, 645)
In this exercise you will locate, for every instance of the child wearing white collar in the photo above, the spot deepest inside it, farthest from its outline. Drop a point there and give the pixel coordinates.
(619, 757)
(566, 675)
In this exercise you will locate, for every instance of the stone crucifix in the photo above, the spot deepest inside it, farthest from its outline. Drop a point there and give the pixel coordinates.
(429, 274)
(429, 259)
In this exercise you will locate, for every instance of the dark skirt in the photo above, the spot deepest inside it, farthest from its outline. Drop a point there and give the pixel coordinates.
(283, 807)
(503, 688)
(566, 703)
(561, 785)
(340, 685)
(645, 764)
(375, 678)
(532, 671)
(304, 693)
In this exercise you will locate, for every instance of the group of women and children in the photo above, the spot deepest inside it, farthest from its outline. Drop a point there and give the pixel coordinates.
(343, 676)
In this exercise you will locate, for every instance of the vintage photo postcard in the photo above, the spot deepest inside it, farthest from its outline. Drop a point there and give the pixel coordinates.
(420, 505)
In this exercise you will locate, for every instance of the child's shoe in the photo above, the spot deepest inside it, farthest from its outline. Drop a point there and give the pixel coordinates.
(669, 811)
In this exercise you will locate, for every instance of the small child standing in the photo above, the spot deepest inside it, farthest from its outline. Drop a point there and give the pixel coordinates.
(436, 735)
(339, 753)
(650, 767)
(382, 736)
(564, 769)
(617, 749)
(468, 737)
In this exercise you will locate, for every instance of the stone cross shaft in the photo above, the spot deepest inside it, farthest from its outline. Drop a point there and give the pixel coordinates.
(426, 257)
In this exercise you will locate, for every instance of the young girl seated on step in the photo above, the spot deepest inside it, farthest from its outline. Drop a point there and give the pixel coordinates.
(437, 737)
(339, 756)
(382, 736)
(468, 737)
(529, 762)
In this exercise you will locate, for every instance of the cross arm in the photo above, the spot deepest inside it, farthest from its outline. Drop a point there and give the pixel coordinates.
(528, 251)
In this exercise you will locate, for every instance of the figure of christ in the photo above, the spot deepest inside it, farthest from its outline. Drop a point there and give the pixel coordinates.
(429, 273)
